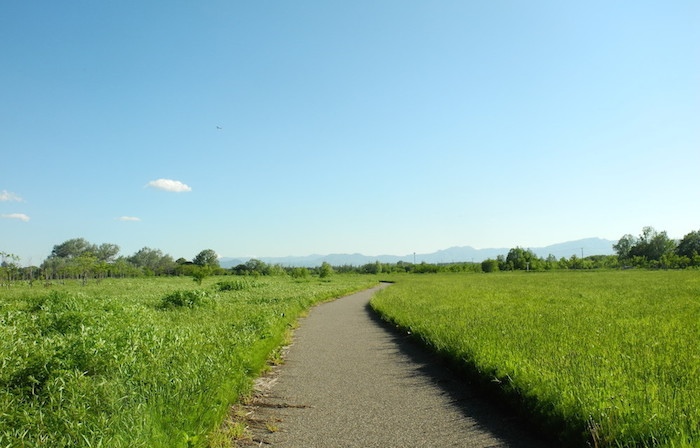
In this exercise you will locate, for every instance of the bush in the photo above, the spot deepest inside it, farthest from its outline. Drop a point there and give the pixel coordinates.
(326, 270)
(199, 274)
(234, 285)
(489, 265)
(186, 299)
(299, 273)
(54, 302)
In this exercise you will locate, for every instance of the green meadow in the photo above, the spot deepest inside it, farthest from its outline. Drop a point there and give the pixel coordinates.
(145, 362)
(605, 359)
(594, 358)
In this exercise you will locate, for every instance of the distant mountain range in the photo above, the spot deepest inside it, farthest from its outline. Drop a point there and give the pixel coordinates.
(587, 247)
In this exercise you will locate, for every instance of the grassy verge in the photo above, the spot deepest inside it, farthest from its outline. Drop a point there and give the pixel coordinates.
(140, 362)
(596, 358)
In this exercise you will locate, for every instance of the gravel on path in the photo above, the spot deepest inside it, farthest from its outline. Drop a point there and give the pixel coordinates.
(350, 381)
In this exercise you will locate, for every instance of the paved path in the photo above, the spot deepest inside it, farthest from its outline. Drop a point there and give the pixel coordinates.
(348, 381)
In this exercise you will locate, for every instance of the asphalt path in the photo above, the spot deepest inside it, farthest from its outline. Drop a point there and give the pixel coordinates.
(349, 380)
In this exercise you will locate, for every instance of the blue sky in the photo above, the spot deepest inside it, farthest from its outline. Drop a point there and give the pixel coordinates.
(380, 127)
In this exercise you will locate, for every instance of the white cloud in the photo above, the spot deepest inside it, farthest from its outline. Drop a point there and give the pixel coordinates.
(20, 216)
(169, 185)
(9, 196)
(128, 218)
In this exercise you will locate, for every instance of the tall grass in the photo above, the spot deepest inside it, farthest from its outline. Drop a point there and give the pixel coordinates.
(597, 358)
(139, 362)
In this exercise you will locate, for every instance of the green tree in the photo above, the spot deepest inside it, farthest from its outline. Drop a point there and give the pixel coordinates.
(240, 269)
(106, 252)
(403, 266)
(166, 265)
(326, 270)
(489, 265)
(624, 246)
(652, 245)
(255, 266)
(551, 262)
(85, 266)
(577, 263)
(153, 261)
(73, 248)
(275, 270)
(53, 268)
(522, 259)
(199, 273)
(184, 267)
(689, 245)
(9, 267)
(372, 268)
(299, 272)
(657, 244)
(207, 257)
(79, 258)
(502, 266)
(647, 250)
(122, 268)
(426, 268)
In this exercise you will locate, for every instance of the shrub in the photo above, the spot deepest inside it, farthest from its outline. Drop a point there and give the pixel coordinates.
(235, 285)
(489, 265)
(299, 273)
(54, 302)
(186, 299)
(326, 270)
(199, 274)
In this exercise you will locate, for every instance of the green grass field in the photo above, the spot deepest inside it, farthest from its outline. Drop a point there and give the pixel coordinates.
(599, 358)
(140, 362)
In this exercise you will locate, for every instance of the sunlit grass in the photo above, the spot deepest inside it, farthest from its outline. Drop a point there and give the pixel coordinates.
(608, 358)
(140, 362)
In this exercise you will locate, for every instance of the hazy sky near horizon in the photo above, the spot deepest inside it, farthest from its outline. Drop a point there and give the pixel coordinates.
(382, 127)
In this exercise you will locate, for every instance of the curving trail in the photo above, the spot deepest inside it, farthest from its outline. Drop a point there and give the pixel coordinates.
(348, 381)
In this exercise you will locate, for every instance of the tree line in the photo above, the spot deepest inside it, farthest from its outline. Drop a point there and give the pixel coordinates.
(651, 249)
(79, 259)
(82, 260)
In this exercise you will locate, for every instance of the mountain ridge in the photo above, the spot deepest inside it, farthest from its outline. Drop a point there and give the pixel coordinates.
(582, 247)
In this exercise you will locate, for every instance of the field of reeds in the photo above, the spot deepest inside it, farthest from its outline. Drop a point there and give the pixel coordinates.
(147, 362)
(604, 359)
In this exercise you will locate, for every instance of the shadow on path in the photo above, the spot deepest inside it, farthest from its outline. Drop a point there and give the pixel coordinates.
(474, 403)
